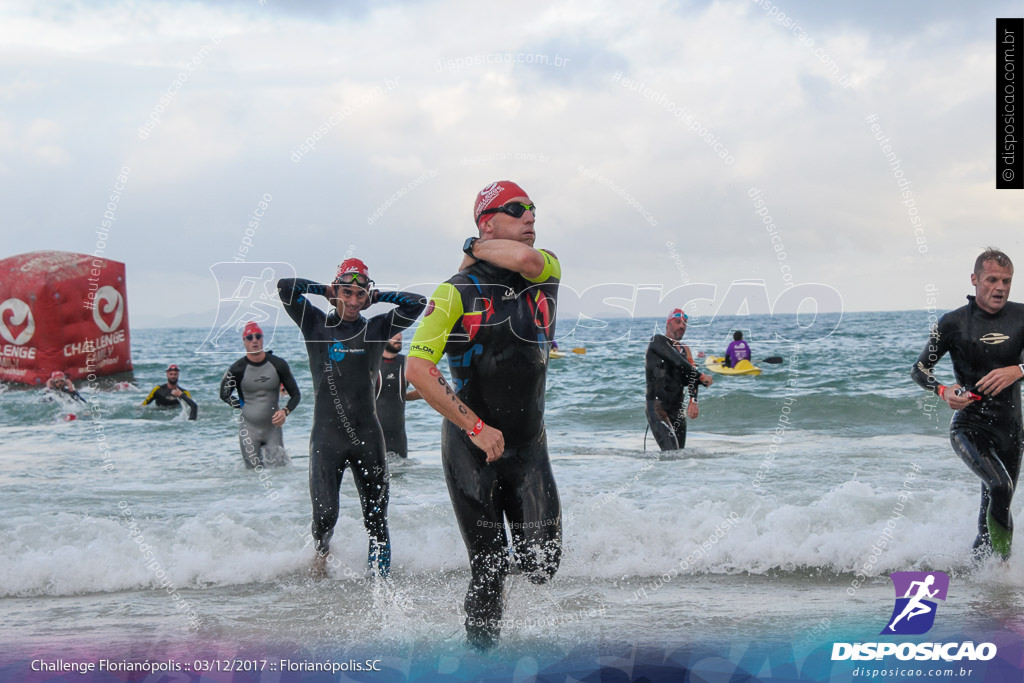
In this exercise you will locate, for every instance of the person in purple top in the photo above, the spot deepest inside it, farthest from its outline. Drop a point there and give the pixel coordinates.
(738, 350)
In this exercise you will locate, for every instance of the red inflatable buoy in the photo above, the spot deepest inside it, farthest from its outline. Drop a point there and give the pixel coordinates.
(62, 311)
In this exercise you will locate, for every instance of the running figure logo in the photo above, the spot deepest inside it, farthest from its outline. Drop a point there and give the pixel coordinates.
(246, 292)
(914, 612)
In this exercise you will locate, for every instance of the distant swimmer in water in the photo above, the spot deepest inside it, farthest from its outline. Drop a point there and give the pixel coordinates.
(256, 377)
(738, 350)
(344, 358)
(392, 393)
(60, 384)
(495, 320)
(171, 395)
(669, 371)
(985, 340)
(914, 606)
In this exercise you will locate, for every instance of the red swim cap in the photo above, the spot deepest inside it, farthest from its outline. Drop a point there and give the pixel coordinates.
(172, 366)
(56, 374)
(251, 328)
(495, 195)
(678, 313)
(352, 266)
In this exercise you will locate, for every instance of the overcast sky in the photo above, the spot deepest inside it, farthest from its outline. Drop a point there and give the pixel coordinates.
(650, 135)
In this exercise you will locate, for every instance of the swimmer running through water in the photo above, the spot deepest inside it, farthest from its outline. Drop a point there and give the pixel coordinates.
(669, 371)
(171, 395)
(344, 358)
(256, 377)
(985, 340)
(495, 320)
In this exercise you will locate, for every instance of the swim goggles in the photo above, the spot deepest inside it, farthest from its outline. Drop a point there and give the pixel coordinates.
(514, 209)
(354, 279)
(250, 337)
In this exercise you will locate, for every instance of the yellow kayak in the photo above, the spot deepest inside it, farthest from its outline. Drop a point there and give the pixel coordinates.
(744, 367)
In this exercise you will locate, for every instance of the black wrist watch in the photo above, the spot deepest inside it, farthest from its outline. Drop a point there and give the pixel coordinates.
(467, 247)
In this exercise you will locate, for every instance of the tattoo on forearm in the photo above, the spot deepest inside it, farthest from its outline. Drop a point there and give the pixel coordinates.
(460, 406)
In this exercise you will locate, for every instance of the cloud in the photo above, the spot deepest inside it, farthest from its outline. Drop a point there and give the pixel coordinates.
(372, 126)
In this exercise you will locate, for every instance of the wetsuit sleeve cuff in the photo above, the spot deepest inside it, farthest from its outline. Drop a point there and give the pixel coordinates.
(552, 268)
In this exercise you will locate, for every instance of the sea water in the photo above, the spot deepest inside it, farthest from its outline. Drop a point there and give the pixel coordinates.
(133, 534)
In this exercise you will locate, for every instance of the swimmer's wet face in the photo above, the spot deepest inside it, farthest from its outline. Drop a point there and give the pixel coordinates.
(503, 225)
(675, 328)
(172, 377)
(395, 344)
(992, 286)
(351, 289)
(350, 300)
(253, 342)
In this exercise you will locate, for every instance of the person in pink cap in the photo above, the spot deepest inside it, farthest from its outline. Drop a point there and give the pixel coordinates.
(345, 352)
(495, 320)
(171, 394)
(256, 377)
(60, 383)
(669, 371)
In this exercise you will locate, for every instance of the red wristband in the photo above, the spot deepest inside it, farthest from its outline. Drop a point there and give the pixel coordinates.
(942, 391)
(477, 428)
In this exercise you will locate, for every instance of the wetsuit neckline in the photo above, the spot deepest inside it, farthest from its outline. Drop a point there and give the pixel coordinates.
(975, 308)
(335, 320)
(492, 274)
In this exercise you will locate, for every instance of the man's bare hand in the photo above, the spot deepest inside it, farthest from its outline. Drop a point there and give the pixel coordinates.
(999, 379)
(491, 441)
(956, 402)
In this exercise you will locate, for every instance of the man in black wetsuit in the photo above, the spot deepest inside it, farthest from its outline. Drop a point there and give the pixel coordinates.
(257, 377)
(171, 395)
(670, 370)
(985, 340)
(495, 320)
(344, 358)
(391, 397)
